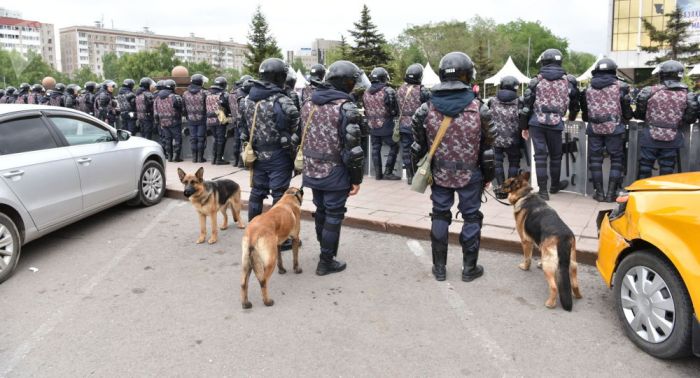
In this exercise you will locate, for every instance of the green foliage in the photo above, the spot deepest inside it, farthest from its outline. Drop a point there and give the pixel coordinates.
(83, 75)
(342, 52)
(15, 69)
(261, 44)
(578, 62)
(540, 37)
(404, 57)
(673, 39)
(298, 65)
(370, 48)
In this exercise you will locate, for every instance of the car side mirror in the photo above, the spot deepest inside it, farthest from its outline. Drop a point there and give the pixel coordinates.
(123, 135)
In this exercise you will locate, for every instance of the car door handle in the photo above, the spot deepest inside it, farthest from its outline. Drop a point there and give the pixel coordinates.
(13, 174)
(84, 160)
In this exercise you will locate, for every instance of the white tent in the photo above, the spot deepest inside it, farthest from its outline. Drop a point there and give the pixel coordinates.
(695, 70)
(589, 72)
(301, 81)
(430, 78)
(508, 69)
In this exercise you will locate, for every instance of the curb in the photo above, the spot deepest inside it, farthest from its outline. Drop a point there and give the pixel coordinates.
(511, 245)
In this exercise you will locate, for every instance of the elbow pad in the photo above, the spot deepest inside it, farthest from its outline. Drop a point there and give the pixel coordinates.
(487, 162)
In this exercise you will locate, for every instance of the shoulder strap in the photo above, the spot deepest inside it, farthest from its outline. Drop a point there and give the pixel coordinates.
(408, 93)
(306, 127)
(440, 134)
(255, 118)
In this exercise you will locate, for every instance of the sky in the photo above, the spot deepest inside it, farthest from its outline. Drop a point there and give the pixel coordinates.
(295, 24)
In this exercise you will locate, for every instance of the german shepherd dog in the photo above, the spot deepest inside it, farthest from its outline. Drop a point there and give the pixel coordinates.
(262, 239)
(538, 224)
(208, 197)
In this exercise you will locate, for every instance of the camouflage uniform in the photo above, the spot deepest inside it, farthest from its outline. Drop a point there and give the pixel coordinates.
(167, 114)
(380, 109)
(144, 113)
(410, 97)
(194, 100)
(217, 99)
(507, 139)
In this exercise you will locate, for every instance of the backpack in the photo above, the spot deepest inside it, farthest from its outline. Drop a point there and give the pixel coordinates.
(551, 100)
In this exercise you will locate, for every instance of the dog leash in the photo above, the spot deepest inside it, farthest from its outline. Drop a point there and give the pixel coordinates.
(229, 174)
(494, 197)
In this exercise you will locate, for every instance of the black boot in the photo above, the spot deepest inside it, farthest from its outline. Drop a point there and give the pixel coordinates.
(556, 187)
(328, 264)
(168, 153)
(409, 175)
(239, 160)
(234, 161)
(195, 156)
(439, 262)
(500, 178)
(200, 156)
(614, 185)
(389, 174)
(219, 149)
(176, 154)
(542, 182)
(214, 155)
(599, 195)
(470, 270)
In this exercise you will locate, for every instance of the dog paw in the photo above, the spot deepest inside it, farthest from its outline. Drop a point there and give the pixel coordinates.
(539, 265)
(200, 240)
(241, 226)
(269, 303)
(297, 270)
(212, 241)
(282, 271)
(550, 304)
(246, 305)
(524, 266)
(223, 228)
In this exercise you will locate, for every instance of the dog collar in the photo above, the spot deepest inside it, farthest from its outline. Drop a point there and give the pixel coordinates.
(298, 197)
(519, 203)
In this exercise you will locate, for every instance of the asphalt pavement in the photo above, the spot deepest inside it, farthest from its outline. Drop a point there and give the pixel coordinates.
(128, 293)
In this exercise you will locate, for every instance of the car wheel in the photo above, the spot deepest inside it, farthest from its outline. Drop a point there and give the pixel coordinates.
(10, 247)
(653, 305)
(151, 185)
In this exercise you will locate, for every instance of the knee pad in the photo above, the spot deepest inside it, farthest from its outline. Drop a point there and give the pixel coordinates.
(476, 217)
(338, 213)
(445, 216)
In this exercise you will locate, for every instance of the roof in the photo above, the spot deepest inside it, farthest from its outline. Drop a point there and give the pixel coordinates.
(19, 22)
(12, 108)
(508, 69)
(140, 34)
(301, 80)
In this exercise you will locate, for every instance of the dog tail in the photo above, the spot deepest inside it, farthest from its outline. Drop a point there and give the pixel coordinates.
(564, 284)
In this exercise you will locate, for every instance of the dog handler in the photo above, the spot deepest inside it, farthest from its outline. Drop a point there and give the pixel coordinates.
(333, 156)
(463, 163)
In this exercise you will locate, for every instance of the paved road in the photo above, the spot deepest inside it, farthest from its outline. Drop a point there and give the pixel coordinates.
(128, 293)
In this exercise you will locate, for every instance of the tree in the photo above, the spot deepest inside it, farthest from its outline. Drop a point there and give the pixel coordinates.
(261, 44)
(340, 52)
(483, 63)
(578, 62)
(297, 64)
(110, 67)
(370, 48)
(673, 40)
(540, 38)
(83, 75)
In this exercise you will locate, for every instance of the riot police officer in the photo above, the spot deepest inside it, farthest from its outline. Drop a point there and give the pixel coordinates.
(545, 103)
(462, 164)
(167, 114)
(10, 95)
(333, 156)
(411, 95)
(196, 112)
(606, 106)
(270, 122)
(127, 105)
(665, 107)
(144, 108)
(36, 96)
(316, 75)
(289, 88)
(86, 101)
(217, 105)
(57, 95)
(105, 108)
(70, 98)
(2, 96)
(380, 109)
(22, 94)
(242, 88)
(504, 109)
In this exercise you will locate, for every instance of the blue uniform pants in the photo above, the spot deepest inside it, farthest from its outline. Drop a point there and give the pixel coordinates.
(468, 205)
(266, 182)
(547, 142)
(198, 137)
(613, 144)
(172, 138)
(330, 212)
(665, 156)
(513, 154)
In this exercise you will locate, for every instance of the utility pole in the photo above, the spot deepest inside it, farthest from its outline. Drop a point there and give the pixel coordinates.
(528, 56)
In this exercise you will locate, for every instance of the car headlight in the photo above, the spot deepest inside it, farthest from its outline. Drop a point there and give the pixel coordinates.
(621, 200)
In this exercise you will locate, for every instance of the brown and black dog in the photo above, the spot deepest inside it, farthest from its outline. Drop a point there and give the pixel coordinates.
(210, 197)
(538, 224)
(260, 245)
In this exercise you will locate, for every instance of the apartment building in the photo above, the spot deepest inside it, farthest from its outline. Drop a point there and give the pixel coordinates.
(24, 36)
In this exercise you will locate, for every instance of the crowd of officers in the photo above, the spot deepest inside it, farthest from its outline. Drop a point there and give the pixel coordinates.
(329, 121)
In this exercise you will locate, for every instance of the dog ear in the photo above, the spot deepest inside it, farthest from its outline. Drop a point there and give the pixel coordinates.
(181, 173)
(200, 174)
(526, 175)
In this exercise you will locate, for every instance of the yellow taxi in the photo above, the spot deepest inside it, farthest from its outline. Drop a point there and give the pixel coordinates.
(649, 254)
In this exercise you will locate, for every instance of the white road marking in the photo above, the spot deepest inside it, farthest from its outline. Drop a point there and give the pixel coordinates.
(502, 362)
(49, 325)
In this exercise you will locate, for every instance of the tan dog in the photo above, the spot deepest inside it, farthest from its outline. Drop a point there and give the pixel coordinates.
(538, 224)
(260, 246)
(208, 197)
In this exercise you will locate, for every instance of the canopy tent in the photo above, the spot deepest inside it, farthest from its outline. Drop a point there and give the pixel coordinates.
(508, 69)
(589, 72)
(695, 70)
(301, 81)
(430, 78)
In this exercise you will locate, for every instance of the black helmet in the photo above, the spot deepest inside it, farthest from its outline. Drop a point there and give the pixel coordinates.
(414, 74)
(291, 80)
(242, 81)
(318, 72)
(9, 91)
(108, 83)
(90, 86)
(170, 84)
(129, 83)
(509, 83)
(160, 85)
(60, 87)
(606, 65)
(2, 92)
(197, 79)
(274, 70)
(550, 56)
(72, 89)
(146, 83)
(456, 66)
(24, 87)
(36, 88)
(379, 75)
(220, 82)
(343, 75)
(671, 70)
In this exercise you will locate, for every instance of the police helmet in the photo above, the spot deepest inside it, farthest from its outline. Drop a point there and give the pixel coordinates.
(146, 83)
(343, 75)
(243, 80)
(414, 74)
(170, 84)
(671, 70)
(318, 72)
(220, 82)
(24, 87)
(274, 71)
(90, 86)
(509, 83)
(72, 89)
(197, 79)
(605, 65)
(129, 83)
(550, 56)
(36, 88)
(456, 66)
(379, 75)
(9, 91)
(60, 87)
